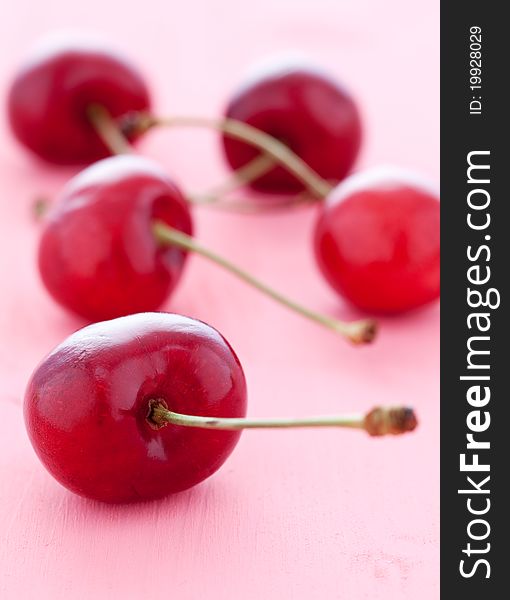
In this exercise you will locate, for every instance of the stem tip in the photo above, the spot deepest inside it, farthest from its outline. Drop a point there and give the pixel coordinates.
(390, 420)
(363, 331)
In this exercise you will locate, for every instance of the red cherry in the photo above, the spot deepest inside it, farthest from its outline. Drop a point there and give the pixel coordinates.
(50, 96)
(88, 404)
(98, 256)
(305, 109)
(377, 241)
(150, 404)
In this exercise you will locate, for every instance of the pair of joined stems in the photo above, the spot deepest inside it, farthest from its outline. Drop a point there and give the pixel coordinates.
(272, 150)
(389, 420)
(358, 332)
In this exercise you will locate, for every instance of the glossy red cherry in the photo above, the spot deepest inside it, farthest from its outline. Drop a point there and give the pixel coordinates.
(377, 241)
(305, 109)
(50, 95)
(88, 404)
(98, 256)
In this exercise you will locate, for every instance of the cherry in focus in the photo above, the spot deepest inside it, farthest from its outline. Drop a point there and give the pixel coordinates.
(87, 406)
(305, 109)
(146, 405)
(377, 241)
(97, 255)
(52, 92)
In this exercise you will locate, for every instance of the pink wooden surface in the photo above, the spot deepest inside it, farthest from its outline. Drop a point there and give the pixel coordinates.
(301, 514)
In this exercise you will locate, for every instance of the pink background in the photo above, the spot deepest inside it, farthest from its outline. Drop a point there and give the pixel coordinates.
(304, 514)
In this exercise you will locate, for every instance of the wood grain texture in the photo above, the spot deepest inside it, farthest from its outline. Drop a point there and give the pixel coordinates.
(295, 514)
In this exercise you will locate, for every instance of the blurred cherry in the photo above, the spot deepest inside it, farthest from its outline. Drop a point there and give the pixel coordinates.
(98, 256)
(49, 99)
(377, 241)
(305, 109)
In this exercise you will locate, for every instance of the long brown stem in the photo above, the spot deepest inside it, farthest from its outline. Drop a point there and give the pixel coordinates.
(358, 332)
(269, 145)
(382, 420)
(274, 152)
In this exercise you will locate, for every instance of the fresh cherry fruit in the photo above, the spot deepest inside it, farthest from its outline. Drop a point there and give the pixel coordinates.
(98, 256)
(377, 241)
(150, 404)
(88, 406)
(60, 81)
(305, 109)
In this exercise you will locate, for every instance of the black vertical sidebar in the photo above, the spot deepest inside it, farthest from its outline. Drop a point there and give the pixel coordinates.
(475, 337)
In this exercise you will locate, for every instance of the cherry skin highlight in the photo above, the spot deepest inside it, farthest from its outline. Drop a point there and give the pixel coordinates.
(97, 255)
(87, 406)
(306, 110)
(377, 241)
(50, 95)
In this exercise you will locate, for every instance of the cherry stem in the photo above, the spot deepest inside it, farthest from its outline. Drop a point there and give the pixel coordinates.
(108, 130)
(269, 145)
(358, 332)
(242, 205)
(251, 171)
(382, 420)
(112, 135)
